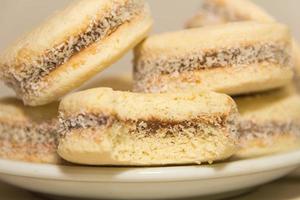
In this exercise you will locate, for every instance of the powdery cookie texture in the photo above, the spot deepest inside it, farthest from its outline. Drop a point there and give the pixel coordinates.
(28, 134)
(105, 127)
(224, 11)
(270, 122)
(233, 58)
(72, 46)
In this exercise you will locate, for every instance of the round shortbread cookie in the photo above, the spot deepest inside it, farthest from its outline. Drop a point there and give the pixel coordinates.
(233, 58)
(106, 127)
(270, 122)
(28, 134)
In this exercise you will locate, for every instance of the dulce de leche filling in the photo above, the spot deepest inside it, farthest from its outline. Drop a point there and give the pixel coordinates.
(87, 121)
(27, 79)
(239, 56)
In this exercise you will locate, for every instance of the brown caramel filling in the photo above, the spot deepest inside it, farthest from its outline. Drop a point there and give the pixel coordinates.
(227, 57)
(86, 121)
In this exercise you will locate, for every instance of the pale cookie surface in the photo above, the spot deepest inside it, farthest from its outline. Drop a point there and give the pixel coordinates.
(28, 134)
(72, 46)
(233, 58)
(270, 122)
(106, 127)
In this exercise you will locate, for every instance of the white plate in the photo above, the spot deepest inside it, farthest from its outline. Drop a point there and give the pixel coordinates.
(295, 173)
(148, 183)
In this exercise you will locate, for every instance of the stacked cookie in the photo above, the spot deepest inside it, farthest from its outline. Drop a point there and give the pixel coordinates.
(270, 120)
(105, 127)
(28, 133)
(176, 111)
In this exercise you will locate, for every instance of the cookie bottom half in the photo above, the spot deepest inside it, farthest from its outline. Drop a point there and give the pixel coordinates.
(229, 80)
(117, 145)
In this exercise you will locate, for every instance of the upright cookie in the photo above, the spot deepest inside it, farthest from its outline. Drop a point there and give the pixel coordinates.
(224, 11)
(28, 134)
(233, 58)
(106, 127)
(270, 122)
(73, 46)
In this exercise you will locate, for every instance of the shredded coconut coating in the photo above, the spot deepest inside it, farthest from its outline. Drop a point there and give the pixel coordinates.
(30, 78)
(83, 121)
(249, 130)
(35, 138)
(170, 128)
(148, 69)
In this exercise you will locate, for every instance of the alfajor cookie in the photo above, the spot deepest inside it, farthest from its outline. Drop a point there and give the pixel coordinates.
(28, 134)
(270, 122)
(224, 11)
(105, 127)
(72, 46)
(233, 58)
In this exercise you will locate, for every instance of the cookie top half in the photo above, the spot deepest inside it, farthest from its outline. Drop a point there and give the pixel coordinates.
(214, 37)
(138, 106)
(282, 105)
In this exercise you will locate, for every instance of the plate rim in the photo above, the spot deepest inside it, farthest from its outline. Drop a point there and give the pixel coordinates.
(150, 174)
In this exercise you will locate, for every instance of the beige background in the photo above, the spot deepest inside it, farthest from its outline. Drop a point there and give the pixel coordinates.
(19, 16)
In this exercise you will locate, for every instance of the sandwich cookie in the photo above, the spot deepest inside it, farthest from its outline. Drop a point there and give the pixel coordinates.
(105, 127)
(28, 134)
(270, 122)
(233, 58)
(73, 46)
(223, 11)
